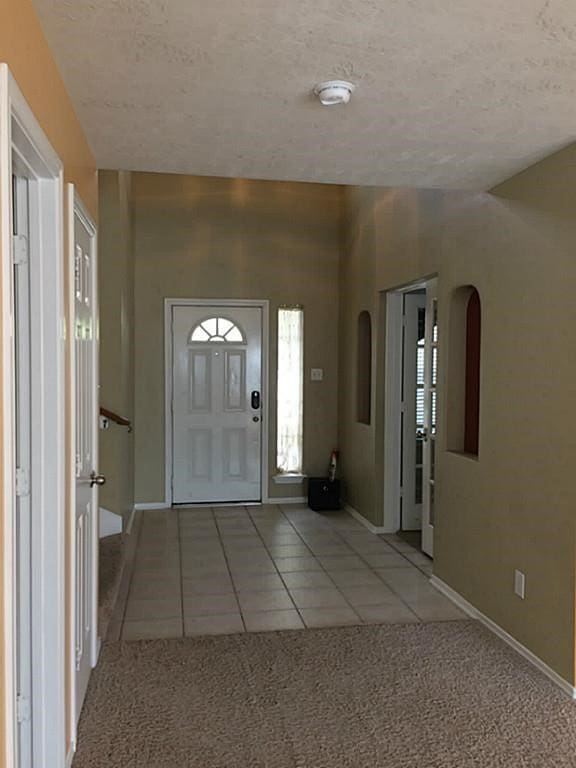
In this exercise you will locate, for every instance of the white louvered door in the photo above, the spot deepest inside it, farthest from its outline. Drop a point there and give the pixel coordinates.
(216, 403)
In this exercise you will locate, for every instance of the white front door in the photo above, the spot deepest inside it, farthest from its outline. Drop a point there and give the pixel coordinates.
(414, 311)
(86, 453)
(23, 466)
(430, 416)
(216, 403)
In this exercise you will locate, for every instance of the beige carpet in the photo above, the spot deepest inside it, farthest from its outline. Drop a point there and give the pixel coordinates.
(438, 695)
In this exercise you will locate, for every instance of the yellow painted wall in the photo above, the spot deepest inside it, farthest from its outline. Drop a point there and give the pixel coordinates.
(224, 238)
(514, 507)
(24, 48)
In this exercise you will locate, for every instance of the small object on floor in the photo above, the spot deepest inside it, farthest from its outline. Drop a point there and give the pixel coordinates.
(333, 466)
(323, 494)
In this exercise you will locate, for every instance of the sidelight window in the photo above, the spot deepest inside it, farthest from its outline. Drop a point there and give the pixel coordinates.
(289, 442)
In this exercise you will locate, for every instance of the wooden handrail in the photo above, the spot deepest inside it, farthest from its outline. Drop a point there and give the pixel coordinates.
(120, 420)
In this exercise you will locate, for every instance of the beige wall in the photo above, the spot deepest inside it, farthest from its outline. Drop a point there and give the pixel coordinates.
(514, 507)
(24, 48)
(218, 238)
(116, 293)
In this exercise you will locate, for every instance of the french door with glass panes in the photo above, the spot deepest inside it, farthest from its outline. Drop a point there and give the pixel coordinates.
(430, 398)
(412, 414)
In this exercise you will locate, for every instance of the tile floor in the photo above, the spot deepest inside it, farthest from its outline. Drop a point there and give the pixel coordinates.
(235, 569)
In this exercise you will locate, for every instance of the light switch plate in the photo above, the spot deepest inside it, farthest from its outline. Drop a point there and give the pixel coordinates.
(316, 374)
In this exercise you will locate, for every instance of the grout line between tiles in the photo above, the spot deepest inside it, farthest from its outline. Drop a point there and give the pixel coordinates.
(274, 562)
(131, 575)
(181, 581)
(384, 583)
(223, 548)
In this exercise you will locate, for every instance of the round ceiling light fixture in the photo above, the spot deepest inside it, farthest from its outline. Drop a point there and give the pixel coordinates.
(334, 92)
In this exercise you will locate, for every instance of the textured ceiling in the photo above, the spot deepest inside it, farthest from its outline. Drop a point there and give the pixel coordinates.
(451, 94)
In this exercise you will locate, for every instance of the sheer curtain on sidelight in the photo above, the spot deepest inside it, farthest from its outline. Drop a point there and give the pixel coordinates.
(290, 389)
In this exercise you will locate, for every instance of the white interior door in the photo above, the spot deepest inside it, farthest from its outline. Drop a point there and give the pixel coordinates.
(430, 416)
(216, 403)
(85, 542)
(411, 470)
(21, 234)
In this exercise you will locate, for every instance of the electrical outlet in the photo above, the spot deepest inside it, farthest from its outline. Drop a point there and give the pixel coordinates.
(520, 584)
(316, 374)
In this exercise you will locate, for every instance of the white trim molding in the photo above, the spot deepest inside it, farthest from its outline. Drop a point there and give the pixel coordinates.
(474, 613)
(286, 500)
(7, 425)
(22, 138)
(70, 756)
(365, 522)
(109, 523)
(290, 478)
(130, 522)
(262, 304)
(268, 500)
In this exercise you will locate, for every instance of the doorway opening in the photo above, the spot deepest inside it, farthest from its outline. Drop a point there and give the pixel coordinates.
(411, 412)
(32, 425)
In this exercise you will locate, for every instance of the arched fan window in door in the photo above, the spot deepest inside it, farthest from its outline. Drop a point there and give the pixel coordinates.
(216, 329)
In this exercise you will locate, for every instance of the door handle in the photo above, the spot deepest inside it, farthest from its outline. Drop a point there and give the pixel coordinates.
(96, 479)
(255, 399)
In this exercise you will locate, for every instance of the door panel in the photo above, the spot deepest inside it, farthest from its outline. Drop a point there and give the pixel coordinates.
(235, 377)
(199, 381)
(216, 424)
(86, 497)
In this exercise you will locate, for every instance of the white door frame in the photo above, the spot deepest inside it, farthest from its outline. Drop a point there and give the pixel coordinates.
(75, 208)
(393, 402)
(21, 133)
(262, 304)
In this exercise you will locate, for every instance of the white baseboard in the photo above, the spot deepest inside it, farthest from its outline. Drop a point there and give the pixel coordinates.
(128, 530)
(109, 523)
(271, 500)
(286, 500)
(474, 613)
(361, 519)
(70, 756)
